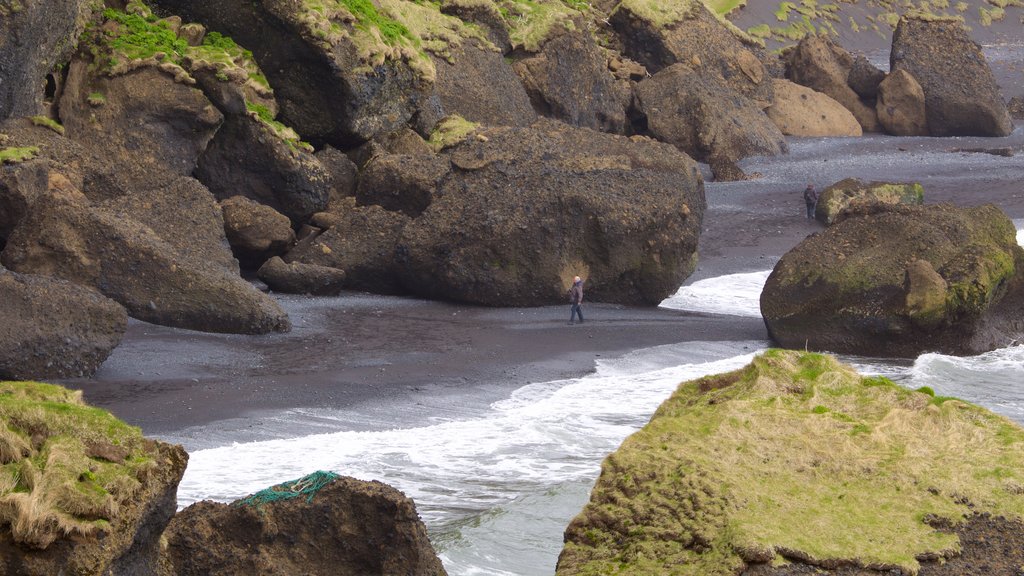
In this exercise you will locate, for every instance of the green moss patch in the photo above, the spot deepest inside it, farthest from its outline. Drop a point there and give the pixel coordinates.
(451, 131)
(65, 468)
(14, 154)
(47, 122)
(290, 137)
(796, 456)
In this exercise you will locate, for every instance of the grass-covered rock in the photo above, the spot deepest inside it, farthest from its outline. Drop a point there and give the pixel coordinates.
(901, 280)
(80, 491)
(842, 194)
(796, 458)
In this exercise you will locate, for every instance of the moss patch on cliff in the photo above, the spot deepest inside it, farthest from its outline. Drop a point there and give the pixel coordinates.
(450, 131)
(796, 456)
(266, 117)
(16, 154)
(65, 468)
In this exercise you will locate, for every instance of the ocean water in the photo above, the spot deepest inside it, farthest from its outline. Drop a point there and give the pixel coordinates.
(497, 487)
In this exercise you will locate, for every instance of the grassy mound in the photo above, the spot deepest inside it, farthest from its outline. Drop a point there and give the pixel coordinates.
(796, 456)
(66, 469)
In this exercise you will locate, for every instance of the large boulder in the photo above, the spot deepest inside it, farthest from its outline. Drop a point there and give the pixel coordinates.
(66, 236)
(863, 285)
(318, 524)
(701, 115)
(797, 464)
(659, 35)
(362, 242)
(569, 80)
(534, 207)
(342, 174)
(402, 183)
(850, 191)
(819, 63)
(961, 95)
(80, 491)
(801, 111)
(51, 328)
(901, 105)
(477, 83)
(1016, 107)
(36, 39)
(299, 278)
(256, 232)
(864, 77)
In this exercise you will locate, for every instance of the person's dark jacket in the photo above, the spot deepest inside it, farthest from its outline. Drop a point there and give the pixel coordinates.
(810, 195)
(576, 293)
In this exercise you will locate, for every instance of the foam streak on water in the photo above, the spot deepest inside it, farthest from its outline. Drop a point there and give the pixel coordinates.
(735, 294)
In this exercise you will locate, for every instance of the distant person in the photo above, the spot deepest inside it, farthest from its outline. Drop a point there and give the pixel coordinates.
(811, 199)
(576, 299)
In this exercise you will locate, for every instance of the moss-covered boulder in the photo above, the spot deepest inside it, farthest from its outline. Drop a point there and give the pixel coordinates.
(859, 287)
(841, 195)
(80, 491)
(698, 112)
(796, 464)
(319, 524)
(821, 64)
(801, 111)
(535, 206)
(51, 328)
(960, 92)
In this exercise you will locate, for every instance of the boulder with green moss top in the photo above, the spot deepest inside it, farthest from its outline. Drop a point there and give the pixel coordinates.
(536, 206)
(960, 92)
(901, 105)
(255, 231)
(698, 112)
(66, 236)
(51, 328)
(36, 39)
(899, 280)
(319, 524)
(402, 183)
(851, 191)
(80, 491)
(477, 83)
(819, 63)
(796, 464)
(362, 241)
(660, 34)
(569, 80)
(802, 111)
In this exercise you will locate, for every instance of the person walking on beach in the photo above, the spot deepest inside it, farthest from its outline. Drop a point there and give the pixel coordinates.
(811, 199)
(576, 299)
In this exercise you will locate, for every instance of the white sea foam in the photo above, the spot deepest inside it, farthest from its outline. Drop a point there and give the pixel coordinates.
(1020, 231)
(994, 380)
(735, 294)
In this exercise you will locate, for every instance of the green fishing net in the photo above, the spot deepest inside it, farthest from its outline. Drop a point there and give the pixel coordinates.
(308, 486)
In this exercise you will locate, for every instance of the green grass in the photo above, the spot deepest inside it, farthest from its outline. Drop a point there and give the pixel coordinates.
(798, 452)
(289, 136)
(14, 155)
(450, 131)
(48, 122)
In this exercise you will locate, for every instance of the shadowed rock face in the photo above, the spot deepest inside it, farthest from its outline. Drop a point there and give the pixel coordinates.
(34, 38)
(256, 232)
(534, 207)
(960, 93)
(348, 527)
(51, 328)
(480, 86)
(897, 280)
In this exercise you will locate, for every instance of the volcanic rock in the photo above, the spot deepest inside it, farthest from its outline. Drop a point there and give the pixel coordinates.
(901, 105)
(256, 232)
(849, 192)
(299, 278)
(856, 287)
(479, 85)
(404, 184)
(819, 63)
(801, 111)
(1016, 107)
(569, 80)
(342, 174)
(864, 77)
(50, 328)
(960, 92)
(347, 526)
(535, 206)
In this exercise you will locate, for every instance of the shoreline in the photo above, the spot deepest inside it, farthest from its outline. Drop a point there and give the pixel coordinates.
(367, 352)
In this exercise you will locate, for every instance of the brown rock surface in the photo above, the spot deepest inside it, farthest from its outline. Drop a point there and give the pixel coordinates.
(801, 111)
(347, 527)
(819, 63)
(256, 232)
(402, 183)
(479, 85)
(299, 278)
(901, 105)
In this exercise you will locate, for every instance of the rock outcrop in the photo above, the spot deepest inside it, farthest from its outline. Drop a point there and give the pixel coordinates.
(256, 232)
(864, 77)
(80, 491)
(569, 80)
(319, 524)
(535, 206)
(901, 105)
(1016, 107)
(801, 111)
(701, 115)
(299, 278)
(35, 39)
(796, 464)
(851, 191)
(861, 286)
(402, 183)
(477, 83)
(960, 92)
(819, 63)
(50, 328)
(65, 236)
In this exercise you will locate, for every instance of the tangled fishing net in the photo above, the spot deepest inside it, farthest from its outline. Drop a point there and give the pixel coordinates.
(308, 486)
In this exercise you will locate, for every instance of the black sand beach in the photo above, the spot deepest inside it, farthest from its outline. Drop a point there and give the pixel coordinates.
(371, 353)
